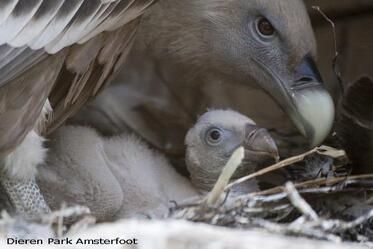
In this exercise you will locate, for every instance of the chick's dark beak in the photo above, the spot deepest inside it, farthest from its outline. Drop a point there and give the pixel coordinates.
(259, 146)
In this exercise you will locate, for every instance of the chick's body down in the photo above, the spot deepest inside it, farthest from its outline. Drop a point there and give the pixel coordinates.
(116, 177)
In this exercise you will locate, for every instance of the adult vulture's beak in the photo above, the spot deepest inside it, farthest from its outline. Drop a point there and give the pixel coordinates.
(260, 148)
(306, 101)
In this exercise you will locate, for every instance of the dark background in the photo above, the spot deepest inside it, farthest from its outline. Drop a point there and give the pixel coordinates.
(354, 28)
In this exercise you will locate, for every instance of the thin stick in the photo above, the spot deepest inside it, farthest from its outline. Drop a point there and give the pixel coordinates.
(336, 57)
(300, 203)
(322, 150)
(274, 167)
(312, 183)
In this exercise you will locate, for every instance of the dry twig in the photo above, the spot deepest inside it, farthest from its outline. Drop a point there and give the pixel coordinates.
(272, 168)
(300, 203)
(336, 56)
(323, 150)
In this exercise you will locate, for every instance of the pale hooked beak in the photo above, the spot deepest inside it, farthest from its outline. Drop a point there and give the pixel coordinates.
(306, 101)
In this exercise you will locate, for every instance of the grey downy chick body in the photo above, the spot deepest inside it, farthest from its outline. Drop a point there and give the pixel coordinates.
(115, 177)
(121, 177)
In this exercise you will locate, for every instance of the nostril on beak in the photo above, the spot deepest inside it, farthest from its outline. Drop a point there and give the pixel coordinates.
(306, 74)
(304, 82)
(305, 79)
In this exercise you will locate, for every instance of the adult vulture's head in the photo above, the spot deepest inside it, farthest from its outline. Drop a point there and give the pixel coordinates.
(267, 44)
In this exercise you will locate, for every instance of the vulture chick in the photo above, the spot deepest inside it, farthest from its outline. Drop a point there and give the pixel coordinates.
(54, 56)
(211, 142)
(121, 177)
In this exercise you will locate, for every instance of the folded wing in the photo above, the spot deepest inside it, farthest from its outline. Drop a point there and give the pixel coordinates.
(64, 50)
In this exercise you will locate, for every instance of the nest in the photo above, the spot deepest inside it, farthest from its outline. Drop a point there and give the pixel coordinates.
(334, 206)
(330, 207)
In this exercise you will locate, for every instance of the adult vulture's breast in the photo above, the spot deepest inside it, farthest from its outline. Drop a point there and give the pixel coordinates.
(66, 50)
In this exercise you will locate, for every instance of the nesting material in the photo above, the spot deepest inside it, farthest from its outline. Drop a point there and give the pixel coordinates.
(319, 212)
(328, 208)
(227, 172)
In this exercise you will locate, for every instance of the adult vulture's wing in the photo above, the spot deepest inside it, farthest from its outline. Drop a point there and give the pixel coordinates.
(62, 49)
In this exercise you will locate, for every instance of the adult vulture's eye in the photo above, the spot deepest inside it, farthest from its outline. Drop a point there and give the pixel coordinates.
(264, 27)
(214, 136)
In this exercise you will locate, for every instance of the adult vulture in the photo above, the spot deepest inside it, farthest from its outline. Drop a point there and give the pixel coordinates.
(65, 51)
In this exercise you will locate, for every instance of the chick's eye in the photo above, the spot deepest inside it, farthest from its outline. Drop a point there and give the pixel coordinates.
(214, 136)
(265, 27)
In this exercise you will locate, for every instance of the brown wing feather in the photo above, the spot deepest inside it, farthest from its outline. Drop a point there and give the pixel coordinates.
(70, 77)
(22, 99)
(87, 69)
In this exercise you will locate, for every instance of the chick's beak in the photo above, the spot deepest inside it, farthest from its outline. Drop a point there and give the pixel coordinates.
(259, 146)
